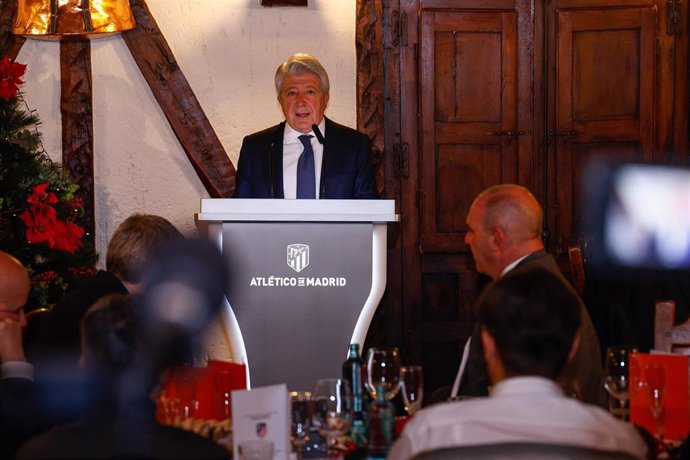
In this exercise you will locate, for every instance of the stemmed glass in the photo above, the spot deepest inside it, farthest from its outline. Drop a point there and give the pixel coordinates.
(621, 372)
(383, 373)
(187, 392)
(300, 403)
(655, 384)
(332, 403)
(412, 388)
(383, 383)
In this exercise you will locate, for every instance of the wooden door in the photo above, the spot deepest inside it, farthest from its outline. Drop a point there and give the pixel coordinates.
(472, 129)
(603, 98)
(519, 91)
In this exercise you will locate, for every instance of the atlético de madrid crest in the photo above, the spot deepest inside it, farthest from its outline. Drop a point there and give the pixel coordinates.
(298, 256)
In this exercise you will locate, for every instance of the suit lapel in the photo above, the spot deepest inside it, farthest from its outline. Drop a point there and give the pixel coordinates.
(331, 164)
(275, 167)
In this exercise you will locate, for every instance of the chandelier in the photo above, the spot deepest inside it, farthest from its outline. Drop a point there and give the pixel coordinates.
(54, 19)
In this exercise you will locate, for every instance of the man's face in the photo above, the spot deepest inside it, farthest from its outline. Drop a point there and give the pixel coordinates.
(303, 101)
(12, 304)
(480, 240)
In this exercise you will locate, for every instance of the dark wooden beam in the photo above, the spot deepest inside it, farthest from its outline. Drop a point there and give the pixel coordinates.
(370, 87)
(179, 104)
(76, 107)
(11, 43)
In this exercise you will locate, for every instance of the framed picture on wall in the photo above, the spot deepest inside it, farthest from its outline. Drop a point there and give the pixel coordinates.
(283, 2)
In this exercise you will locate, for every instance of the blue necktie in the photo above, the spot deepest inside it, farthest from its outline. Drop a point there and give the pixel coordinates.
(306, 177)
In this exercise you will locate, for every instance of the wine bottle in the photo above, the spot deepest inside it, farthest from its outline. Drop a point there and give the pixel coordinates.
(354, 372)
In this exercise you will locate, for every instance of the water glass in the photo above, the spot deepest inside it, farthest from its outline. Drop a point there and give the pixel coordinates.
(655, 386)
(332, 405)
(300, 408)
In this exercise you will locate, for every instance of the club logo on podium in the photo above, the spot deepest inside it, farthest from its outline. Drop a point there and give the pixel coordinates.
(298, 256)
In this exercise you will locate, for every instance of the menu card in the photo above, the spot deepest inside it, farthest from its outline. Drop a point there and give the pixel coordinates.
(262, 413)
(675, 401)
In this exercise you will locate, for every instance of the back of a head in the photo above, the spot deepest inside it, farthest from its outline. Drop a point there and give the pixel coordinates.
(111, 336)
(297, 64)
(514, 209)
(183, 289)
(134, 242)
(533, 318)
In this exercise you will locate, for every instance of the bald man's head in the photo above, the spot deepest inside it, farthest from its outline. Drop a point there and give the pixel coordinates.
(14, 288)
(514, 209)
(504, 224)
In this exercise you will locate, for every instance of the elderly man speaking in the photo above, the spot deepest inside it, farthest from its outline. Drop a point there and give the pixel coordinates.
(308, 155)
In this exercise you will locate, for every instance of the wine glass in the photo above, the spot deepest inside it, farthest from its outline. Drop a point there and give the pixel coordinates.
(621, 373)
(383, 373)
(412, 388)
(332, 404)
(223, 386)
(300, 404)
(655, 384)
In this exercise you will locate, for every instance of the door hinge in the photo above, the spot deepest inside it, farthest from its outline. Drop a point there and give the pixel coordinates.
(399, 32)
(673, 18)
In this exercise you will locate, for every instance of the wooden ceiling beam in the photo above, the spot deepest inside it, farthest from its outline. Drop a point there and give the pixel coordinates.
(179, 104)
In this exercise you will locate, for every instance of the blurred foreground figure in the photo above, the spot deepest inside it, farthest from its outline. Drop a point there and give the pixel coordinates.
(17, 395)
(529, 331)
(126, 345)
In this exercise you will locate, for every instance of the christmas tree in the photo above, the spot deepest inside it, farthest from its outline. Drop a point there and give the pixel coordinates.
(40, 207)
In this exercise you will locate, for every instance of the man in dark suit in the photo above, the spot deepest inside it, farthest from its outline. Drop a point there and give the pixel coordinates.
(55, 346)
(17, 394)
(504, 235)
(338, 158)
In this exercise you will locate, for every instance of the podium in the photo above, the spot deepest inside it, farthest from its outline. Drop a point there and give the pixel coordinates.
(306, 279)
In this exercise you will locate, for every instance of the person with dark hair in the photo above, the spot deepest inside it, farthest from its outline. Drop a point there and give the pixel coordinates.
(333, 160)
(504, 234)
(54, 347)
(120, 423)
(529, 330)
(132, 245)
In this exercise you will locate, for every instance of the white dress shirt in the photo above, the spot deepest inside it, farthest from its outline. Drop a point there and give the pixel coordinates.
(292, 149)
(519, 410)
(17, 369)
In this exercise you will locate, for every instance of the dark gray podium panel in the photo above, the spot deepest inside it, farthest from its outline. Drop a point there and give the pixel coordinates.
(297, 290)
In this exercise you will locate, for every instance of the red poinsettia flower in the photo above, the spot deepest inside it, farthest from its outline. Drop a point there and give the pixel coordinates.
(40, 220)
(68, 237)
(10, 78)
(39, 195)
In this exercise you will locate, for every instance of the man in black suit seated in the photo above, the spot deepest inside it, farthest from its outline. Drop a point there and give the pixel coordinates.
(504, 234)
(337, 158)
(17, 399)
(129, 249)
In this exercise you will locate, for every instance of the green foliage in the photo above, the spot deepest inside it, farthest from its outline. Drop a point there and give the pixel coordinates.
(24, 164)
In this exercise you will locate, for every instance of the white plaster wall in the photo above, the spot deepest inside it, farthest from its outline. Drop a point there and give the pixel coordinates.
(228, 50)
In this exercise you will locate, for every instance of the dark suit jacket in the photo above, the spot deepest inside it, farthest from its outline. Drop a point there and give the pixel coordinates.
(585, 367)
(58, 332)
(18, 414)
(346, 170)
(107, 434)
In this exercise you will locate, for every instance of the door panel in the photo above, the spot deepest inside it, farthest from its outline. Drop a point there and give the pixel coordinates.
(468, 79)
(605, 94)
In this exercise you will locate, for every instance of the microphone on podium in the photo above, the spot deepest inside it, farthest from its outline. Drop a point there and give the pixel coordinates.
(317, 131)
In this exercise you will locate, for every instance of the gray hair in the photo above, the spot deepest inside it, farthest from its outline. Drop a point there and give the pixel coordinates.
(297, 64)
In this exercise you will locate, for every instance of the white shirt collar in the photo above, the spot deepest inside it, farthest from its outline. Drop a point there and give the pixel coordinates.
(291, 135)
(512, 265)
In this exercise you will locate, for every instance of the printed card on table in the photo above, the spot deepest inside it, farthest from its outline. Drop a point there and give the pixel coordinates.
(675, 395)
(262, 413)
